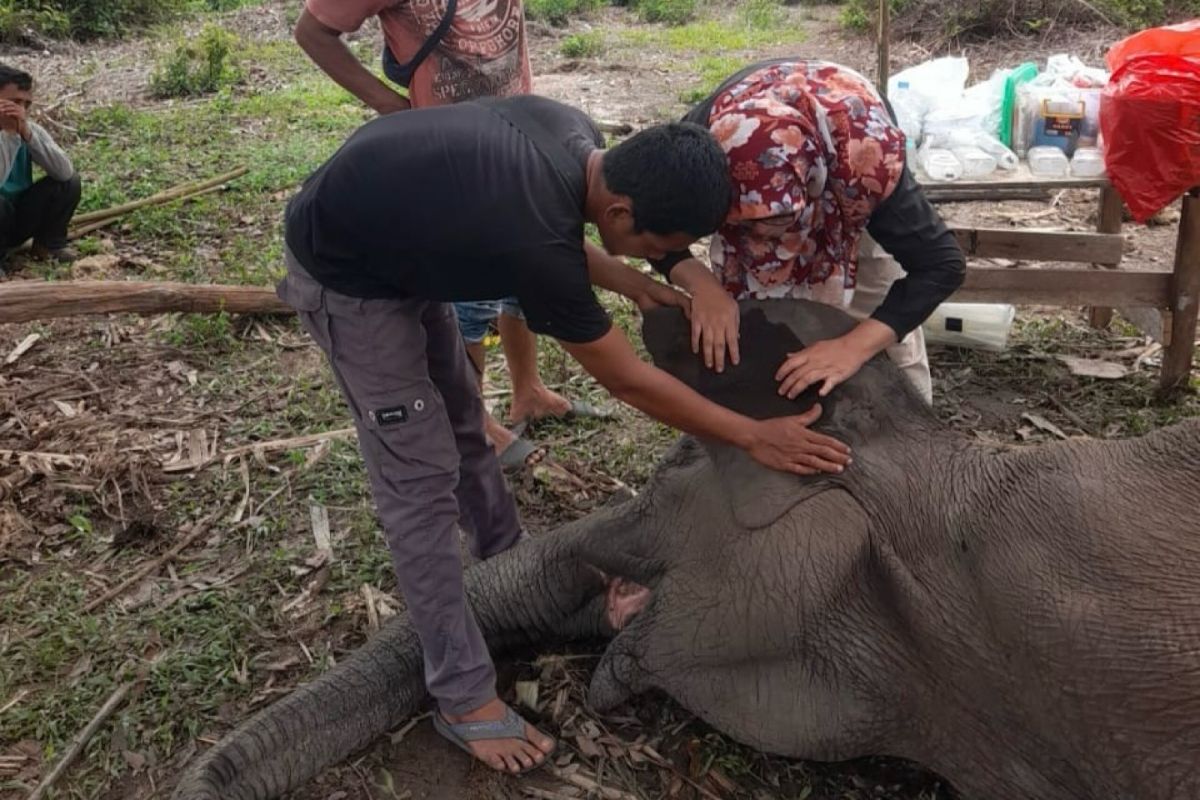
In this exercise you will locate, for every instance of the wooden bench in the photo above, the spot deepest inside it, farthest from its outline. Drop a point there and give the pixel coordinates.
(1163, 304)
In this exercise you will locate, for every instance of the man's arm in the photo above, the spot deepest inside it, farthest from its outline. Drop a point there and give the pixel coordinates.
(785, 443)
(325, 47)
(613, 274)
(46, 153)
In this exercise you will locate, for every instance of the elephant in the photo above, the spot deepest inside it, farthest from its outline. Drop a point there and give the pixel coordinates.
(1024, 621)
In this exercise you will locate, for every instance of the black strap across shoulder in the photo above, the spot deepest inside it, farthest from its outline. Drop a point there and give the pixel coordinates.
(402, 74)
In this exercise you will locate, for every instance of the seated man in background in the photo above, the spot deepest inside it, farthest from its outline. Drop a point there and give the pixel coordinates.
(43, 209)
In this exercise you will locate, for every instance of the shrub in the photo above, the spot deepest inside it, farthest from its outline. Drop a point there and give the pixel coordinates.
(671, 12)
(197, 67)
(582, 45)
(761, 15)
(558, 12)
(983, 19)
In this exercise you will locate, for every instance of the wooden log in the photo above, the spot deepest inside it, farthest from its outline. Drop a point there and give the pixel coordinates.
(1184, 299)
(165, 196)
(22, 301)
(1109, 221)
(1041, 245)
(1064, 287)
(949, 193)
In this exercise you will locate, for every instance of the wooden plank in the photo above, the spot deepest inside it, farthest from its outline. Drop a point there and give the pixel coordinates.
(1184, 299)
(1020, 178)
(1064, 287)
(1108, 221)
(1041, 245)
(949, 193)
(22, 301)
(884, 42)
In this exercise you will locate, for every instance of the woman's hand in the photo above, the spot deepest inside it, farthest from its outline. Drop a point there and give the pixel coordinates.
(715, 320)
(833, 361)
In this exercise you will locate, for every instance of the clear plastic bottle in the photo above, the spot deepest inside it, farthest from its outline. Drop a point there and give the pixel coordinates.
(908, 117)
(1048, 162)
(940, 164)
(975, 162)
(1088, 162)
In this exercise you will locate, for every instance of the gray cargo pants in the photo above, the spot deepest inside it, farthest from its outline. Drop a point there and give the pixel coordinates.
(404, 372)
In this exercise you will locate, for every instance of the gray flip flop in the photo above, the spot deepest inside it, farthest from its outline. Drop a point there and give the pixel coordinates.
(579, 409)
(510, 726)
(516, 454)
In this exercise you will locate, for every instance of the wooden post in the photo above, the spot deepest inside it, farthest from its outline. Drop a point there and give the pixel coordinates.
(1185, 298)
(1111, 207)
(24, 301)
(885, 35)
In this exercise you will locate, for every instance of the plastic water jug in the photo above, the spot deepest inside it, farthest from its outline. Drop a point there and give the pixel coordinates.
(975, 162)
(1088, 162)
(940, 164)
(979, 326)
(1048, 162)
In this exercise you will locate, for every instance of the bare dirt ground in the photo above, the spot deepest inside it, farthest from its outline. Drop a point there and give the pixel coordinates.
(117, 436)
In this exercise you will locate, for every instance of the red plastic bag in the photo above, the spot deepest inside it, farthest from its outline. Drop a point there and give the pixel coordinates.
(1150, 120)
(1171, 40)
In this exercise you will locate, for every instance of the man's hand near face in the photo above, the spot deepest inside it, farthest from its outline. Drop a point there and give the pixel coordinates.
(13, 118)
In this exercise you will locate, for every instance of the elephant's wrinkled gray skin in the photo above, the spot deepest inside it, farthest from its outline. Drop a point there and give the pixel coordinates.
(1026, 622)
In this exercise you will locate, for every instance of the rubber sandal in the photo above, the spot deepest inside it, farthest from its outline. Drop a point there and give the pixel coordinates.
(516, 455)
(510, 726)
(579, 409)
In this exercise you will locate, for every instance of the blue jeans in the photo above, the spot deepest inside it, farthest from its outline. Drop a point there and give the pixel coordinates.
(475, 316)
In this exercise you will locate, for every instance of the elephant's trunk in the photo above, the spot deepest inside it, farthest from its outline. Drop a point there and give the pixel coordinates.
(538, 592)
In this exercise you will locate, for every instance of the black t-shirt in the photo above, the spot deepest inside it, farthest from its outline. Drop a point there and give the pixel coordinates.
(457, 203)
(905, 225)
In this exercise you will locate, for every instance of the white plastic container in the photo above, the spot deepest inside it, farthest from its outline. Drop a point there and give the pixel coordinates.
(975, 162)
(940, 164)
(976, 326)
(1088, 162)
(1048, 162)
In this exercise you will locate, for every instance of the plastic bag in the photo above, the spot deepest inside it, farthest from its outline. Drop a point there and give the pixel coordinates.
(1173, 40)
(1150, 119)
(931, 83)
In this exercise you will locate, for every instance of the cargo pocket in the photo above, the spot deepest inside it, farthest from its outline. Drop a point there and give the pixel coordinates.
(410, 433)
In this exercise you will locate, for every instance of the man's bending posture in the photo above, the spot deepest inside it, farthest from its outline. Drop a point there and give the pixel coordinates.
(42, 209)
(476, 201)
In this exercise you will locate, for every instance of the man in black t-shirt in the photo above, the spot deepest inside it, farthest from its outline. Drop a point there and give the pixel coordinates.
(483, 200)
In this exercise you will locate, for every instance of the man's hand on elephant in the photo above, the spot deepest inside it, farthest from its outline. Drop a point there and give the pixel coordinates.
(715, 320)
(656, 294)
(788, 444)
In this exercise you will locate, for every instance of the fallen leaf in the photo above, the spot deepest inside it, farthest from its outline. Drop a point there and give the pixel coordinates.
(97, 266)
(1095, 368)
(22, 348)
(1043, 424)
(67, 409)
(588, 747)
(527, 694)
(135, 760)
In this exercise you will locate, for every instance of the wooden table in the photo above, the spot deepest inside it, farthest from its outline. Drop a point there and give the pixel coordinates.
(1102, 285)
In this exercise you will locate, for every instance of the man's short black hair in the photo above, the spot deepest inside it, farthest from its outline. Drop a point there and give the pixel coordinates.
(677, 177)
(21, 78)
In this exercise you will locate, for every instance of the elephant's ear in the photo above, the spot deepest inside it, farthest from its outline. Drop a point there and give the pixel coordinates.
(769, 331)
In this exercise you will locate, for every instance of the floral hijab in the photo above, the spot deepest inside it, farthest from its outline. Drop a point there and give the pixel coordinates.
(813, 141)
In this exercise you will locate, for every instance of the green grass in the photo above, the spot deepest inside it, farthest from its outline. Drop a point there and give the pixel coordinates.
(583, 45)
(281, 134)
(558, 12)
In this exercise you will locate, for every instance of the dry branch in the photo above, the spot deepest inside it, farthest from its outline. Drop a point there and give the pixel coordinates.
(81, 741)
(23, 301)
(91, 227)
(198, 530)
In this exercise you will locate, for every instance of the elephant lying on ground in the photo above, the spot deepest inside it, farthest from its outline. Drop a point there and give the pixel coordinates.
(1025, 622)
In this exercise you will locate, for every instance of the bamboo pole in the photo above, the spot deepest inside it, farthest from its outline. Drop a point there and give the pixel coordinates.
(165, 196)
(91, 227)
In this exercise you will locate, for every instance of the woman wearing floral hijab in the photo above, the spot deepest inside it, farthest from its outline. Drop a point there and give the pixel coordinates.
(817, 163)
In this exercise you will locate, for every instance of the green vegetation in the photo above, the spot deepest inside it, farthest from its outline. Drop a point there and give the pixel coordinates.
(199, 66)
(583, 45)
(32, 20)
(557, 12)
(670, 12)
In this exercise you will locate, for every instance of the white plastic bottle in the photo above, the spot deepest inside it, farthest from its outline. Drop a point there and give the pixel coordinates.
(908, 117)
(940, 164)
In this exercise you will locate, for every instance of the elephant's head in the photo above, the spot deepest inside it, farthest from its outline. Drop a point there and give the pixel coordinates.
(993, 615)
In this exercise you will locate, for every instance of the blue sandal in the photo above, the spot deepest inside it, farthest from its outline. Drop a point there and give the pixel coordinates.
(510, 726)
